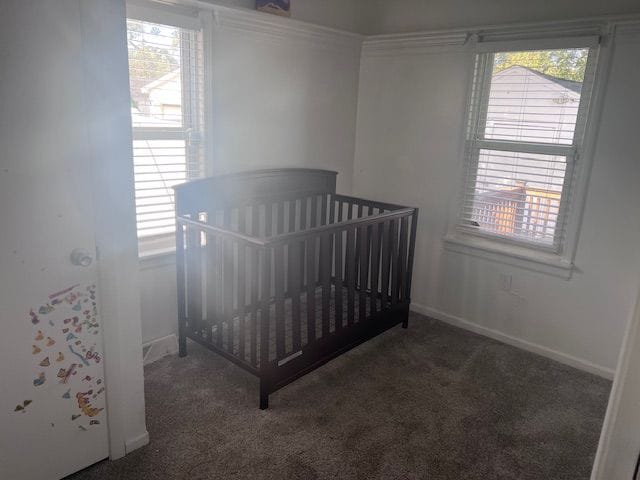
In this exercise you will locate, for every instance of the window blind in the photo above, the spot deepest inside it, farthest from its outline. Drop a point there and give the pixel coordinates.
(166, 74)
(526, 125)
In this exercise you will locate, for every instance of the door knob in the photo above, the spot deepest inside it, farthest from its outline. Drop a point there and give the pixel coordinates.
(80, 257)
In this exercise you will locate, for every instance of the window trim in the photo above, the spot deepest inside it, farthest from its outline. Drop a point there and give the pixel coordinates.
(462, 240)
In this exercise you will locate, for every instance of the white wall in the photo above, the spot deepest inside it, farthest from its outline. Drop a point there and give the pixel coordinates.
(281, 97)
(383, 16)
(410, 118)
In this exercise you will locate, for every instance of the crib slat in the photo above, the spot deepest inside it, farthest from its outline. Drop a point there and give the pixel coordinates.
(340, 207)
(332, 209)
(242, 299)
(280, 217)
(338, 272)
(278, 278)
(311, 287)
(350, 275)
(363, 263)
(402, 258)
(303, 213)
(313, 216)
(375, 266)
(268, 219)
(211, 285)
(292, 216)
(325, 277)
(194, 280)
(253, 328)
(228, 291)
(323, 209)
(393, 248)
(265, 313)
(386, 265)
(296, 287)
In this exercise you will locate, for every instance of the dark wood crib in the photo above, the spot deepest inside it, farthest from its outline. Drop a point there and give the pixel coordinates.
(279, 274)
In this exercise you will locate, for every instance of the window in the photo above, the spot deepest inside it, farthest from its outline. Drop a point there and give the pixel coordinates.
(526, 126)
(166, 80)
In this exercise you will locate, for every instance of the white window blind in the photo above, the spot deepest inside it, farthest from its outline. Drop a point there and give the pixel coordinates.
(166, 74)
(526, 125)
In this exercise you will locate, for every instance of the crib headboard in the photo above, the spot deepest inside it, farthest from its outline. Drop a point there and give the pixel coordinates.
(223, 191)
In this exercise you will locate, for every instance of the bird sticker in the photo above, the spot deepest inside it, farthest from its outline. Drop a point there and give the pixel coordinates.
(22, 408)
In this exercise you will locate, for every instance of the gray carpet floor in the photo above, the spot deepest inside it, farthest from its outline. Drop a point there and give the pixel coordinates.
(430, 402)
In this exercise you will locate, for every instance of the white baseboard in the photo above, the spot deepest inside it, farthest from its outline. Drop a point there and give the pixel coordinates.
(158, 348)
(561, 357)
(136, 442)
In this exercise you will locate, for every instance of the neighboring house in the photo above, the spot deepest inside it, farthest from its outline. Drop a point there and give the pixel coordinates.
(524, 105)
(162, 98)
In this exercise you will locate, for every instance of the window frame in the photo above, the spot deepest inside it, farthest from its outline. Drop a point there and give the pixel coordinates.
(557, 259)
(190, 19)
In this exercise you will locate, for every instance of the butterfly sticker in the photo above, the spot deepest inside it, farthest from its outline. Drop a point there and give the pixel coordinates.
(60, 357)
(50, 341)
(39, 336)
(75, 416)
(34, 318)
(45, 362)
(40, 380)
(36, 350)
(67, 395)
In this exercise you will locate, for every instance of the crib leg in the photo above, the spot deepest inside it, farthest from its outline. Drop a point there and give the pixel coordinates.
(405, 322)
(264, 394)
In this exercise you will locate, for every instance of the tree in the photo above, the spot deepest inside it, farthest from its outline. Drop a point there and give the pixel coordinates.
(149, 60)
(567, 64)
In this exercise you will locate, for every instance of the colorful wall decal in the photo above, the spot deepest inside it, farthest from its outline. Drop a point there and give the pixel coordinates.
(72, 319)
(278, 7)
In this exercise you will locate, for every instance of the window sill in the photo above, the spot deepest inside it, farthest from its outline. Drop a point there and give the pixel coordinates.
(518, 256)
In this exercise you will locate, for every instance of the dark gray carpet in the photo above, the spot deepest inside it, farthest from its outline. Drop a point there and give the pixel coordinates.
(430, 402)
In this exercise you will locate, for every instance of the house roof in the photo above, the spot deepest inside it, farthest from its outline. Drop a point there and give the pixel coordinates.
(568, 84)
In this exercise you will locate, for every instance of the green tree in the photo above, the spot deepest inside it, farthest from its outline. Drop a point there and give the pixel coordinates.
(568, 64)
(149, 61)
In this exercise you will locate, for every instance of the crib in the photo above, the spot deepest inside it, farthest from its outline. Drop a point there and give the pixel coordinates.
(279, 274)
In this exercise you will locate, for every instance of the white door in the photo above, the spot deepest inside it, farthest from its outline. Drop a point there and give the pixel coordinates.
(52, 395)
